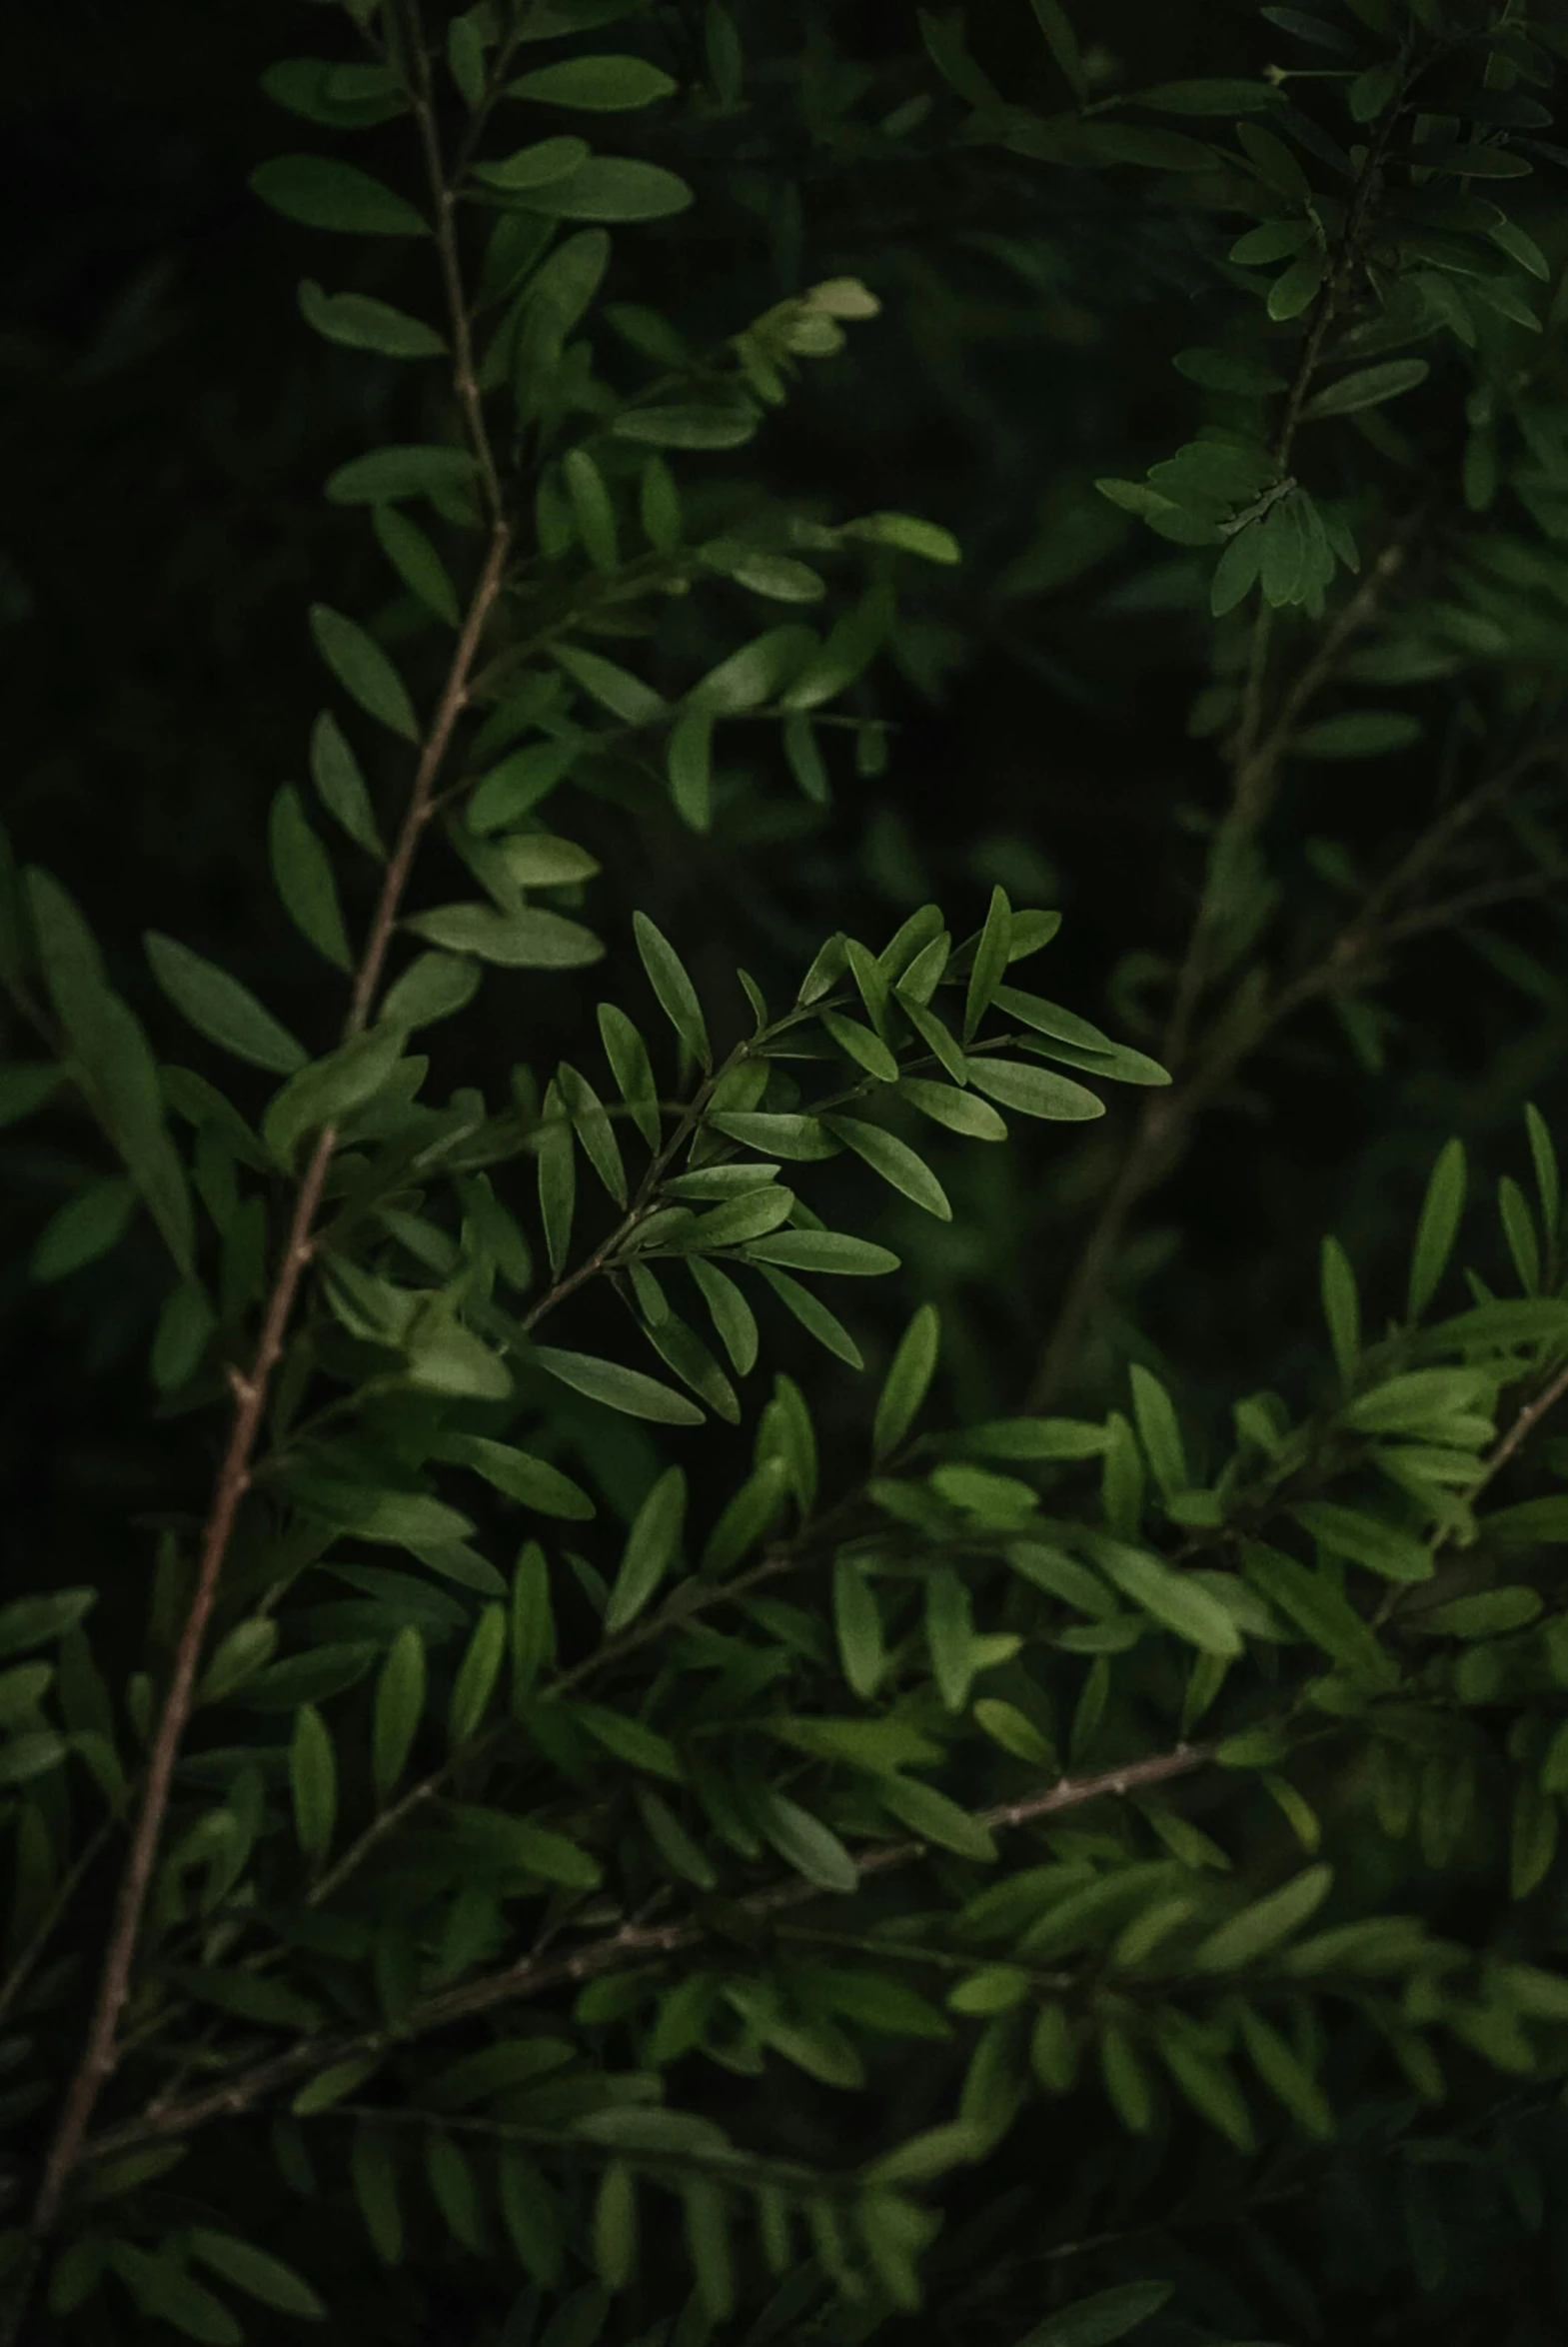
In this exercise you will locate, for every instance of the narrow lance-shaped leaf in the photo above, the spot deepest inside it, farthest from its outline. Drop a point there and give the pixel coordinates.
(478, 1673)
(651, 1545)
(320, 192)
(894, 1160)
(302, 871)
(399, 1702)
(1341, 1309)
(257, 2273)
(990, 962)
(631, 1069)
(556, 1179)
(363, 670)
(618, 1387)
(676, 995)
(313, 1776)
(219, 1008)
(1437, 1228)
(908, 1379)
(336, 773)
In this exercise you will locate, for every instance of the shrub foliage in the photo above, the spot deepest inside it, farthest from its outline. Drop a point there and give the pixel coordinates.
(581, 1832)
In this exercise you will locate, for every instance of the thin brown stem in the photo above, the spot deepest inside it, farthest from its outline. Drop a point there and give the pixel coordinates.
(251, 1388)
(633, 1944)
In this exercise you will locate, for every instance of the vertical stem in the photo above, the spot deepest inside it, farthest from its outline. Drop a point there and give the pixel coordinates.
(99, 2050)
(1255, 752)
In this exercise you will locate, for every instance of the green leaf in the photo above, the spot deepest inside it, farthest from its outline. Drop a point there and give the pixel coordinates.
(592, 511)
(814, 1316)
(1062, 43)
(433, 987)
(615, 688)
(688, 763)
(950, 1634)
(330, 2085)
(320, 192)
(866, 1048)
(1367, 388)
(344, 97)
(707, 2242)
(1170, 1598)
(416, 562)
(340, 785)
(747, 1516)
(834, 1252)
(1158, 1430)
(302, 871)
(35, 1753)
(514, 787)
(1297, 288)
(539, 859)
(615, 2221)
(1315, 1605)
(1362, 732)
(557, 1179)
(651, 1547)
(618, 1388)
(1366, 1540)
(329, 1090)
(612, 188)
(934, 1817)
(37, 1622)
(676, 995)
(732, 1316)
(528, 939)
(313, 1777)
(958, 1111)
(1438, 1227)
(83, 1230)
(218, 1006)
(859, 1627)
(387, 474)
(373, 2167)
(805, 1843)
(686, 427)
(1284, 2075)
(24, 1086)
(1341, 1309)
(121, 1072)
(476, 1676)
(669, 1837)
(363, 324)
(991, 957)
(256, 2274)
(632, 1069)
(533, 1481)
(1227, 371)
(1207, 97)
(894, 1160)
(363, 670)
(543, 165)
(497, 1836)
(599, 85)
(400, 1703)
(163, 2289)
(1259, 1929)
(1033, 1091)
(908, 1383)
(801, 1139)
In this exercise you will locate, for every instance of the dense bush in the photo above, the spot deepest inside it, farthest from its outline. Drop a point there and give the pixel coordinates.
(523, 1734)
